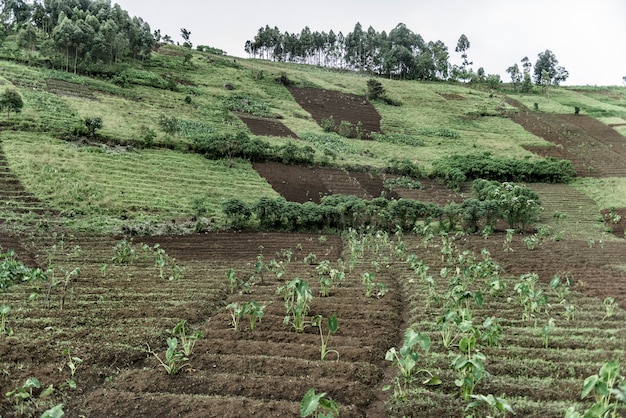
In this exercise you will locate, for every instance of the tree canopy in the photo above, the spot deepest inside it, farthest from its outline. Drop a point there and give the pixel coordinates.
(401, 53)
(76, 34)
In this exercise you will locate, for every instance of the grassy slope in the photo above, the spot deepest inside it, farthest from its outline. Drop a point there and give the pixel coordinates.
(105, 179)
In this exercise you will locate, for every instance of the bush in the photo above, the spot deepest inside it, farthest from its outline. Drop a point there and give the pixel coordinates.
(375, 89)
(92, 124)
(328, 124)
(237, 212)
(404, 167)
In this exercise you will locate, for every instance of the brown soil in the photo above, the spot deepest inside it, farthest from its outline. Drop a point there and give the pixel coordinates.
(323, 104)
(595, 149)
(266, 126)
(109, 318)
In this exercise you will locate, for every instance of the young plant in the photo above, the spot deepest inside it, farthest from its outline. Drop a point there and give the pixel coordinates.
(254, 312)
(531, 242)
(469, 364)
(545, 332)
(560, 287)
(24, 393)
(233, 281)
(496, 404)
(175, 359)
(324, 278)
(609, 390)
(406, 359)
(609, 306)
(530, 297)
(317, 405)
(260, 267)
(124, 252)
(72, 363)
(297, 295)
(332, 329)
(373, 288)
(187, 339)
(4, 313)
(236, 314)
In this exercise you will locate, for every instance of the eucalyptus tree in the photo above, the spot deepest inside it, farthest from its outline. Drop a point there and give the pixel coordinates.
(546, 61)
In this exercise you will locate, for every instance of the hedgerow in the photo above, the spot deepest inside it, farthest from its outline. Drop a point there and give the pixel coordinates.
(456, 169)
(516, 205)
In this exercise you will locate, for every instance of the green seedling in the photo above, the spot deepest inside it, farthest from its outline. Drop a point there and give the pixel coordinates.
(317, 405)
(233, 282)
(570, 311)
(72, 363)
(508, 240)
(469, 364)
(54, 412)
(324, 278)
(260, 267)
(254, 312)
(560, 287)
(297, 296)
(531, 242)
(496, 404)
(187, 339)
(530, 297)
(332, 329)
(545, 332)
(491, 332)
(236, 314)
(124, 252)
(24, 393)
(310, 259)
(406, 360)
(609, 306)
(4, 313)
(373, 288)
(175, 359)
(103, 269)
(609, 390)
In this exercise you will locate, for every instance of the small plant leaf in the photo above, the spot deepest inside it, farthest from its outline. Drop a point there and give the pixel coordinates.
(310, 402)
(333, 324)
(54, 412)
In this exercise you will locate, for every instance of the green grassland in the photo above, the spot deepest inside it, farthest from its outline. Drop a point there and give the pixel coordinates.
(92, 182)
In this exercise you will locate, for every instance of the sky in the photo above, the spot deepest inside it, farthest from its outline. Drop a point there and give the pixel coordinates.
(587, 37)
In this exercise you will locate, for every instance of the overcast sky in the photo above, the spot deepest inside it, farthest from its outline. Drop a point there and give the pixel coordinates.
(587, 37)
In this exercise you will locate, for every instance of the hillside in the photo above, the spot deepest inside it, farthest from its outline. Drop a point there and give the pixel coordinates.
(128, 225)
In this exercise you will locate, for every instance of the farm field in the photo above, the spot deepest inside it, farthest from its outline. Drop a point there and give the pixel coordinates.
(134, 241)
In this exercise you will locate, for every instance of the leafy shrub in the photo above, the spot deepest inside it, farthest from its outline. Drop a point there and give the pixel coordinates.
(247, 104)
(456, 169)
(397, 138)
(13, 271)
(330, 143)
(328, 124)
(403, 167)
(519, 206)
(237, 212)
(375, 89)
(404, 182)
(345, 129)
(93, 123)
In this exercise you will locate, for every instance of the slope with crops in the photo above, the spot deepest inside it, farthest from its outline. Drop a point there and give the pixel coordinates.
(112, 311)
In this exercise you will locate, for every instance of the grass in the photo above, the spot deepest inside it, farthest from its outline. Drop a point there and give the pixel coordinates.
(606, 192)
(94, 182)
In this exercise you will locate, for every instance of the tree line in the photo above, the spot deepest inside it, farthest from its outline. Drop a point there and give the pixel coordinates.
(401, 53)
(76, 34)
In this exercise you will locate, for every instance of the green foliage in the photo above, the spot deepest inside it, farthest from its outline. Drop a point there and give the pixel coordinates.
(402, 182)
(519, 206)
(187, 338)
(13, 271)
(248, 104)
(455, 169)
(317, 405)
(397, 138)
(332, 325)
(237, 212)
(405, 360)
(4, 313)
(330, 144)
(609, 391)
(298, 297)
(328, 124)
(92, 124)
(11, 101)
(375, 89)
(125, 252)
(404, 167)
(175, 359)
(169, 124)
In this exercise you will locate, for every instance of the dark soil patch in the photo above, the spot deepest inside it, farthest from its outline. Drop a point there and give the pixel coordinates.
(310, 184)
(595, 149)
(616, 220)
(452, 96)
(323, 104)
(266, 126)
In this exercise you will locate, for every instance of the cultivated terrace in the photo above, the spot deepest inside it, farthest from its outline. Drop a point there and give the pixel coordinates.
(184, 233)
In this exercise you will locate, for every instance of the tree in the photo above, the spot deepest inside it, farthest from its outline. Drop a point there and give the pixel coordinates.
(11, 101)
(92, 124)
(527, 84)
(186, 34)
(514, 72)
(546, 65)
